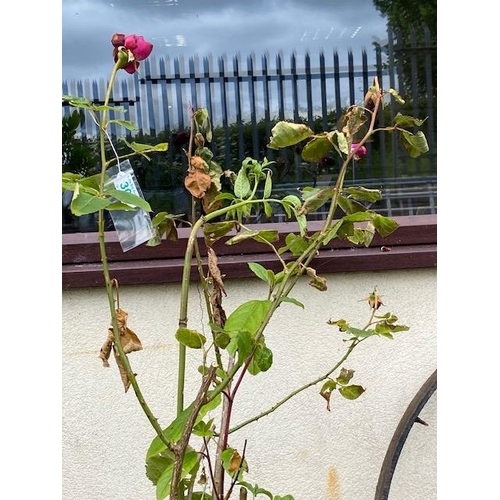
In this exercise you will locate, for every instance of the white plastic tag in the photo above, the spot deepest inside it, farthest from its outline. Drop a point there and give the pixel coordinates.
(133, 227)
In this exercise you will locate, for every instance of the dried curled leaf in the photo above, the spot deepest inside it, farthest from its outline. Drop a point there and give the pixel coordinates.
(198, 179)
(121, 369)
(214, 269)
(129, 340)
(218, 313)
(106, 349)
(317, 282)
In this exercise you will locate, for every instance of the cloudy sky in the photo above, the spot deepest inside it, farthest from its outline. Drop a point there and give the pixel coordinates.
(216, 27)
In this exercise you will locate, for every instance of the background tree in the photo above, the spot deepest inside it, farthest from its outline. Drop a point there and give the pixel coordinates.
(415, 49)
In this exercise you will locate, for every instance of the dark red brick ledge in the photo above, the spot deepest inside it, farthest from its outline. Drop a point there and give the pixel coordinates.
(413, 245)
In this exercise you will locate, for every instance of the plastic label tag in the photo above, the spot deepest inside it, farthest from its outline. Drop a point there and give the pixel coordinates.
(133, 227)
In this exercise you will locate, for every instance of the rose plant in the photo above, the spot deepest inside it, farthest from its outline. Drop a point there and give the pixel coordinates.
(191, 458)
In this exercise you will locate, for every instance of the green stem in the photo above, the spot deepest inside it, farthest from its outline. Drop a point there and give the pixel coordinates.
(186, 275)
(299, 390)
(107, 278)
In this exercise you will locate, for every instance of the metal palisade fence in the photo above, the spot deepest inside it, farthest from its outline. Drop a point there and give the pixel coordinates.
(245, 96)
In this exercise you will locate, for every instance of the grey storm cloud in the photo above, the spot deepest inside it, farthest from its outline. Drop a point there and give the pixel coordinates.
(217, 27)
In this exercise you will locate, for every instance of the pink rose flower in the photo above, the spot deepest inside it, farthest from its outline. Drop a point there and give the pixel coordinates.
(359, 151)
(129, 50)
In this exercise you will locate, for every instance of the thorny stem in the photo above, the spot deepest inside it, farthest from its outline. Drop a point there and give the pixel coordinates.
(354, 343)
(227, 404)
(107, 278)
(179, 449)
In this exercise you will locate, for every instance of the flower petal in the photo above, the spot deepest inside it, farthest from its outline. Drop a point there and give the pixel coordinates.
(131, 67)
(118, 40)
(138, 46)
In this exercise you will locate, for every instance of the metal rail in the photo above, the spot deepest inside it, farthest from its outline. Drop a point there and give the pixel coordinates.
(410, 416)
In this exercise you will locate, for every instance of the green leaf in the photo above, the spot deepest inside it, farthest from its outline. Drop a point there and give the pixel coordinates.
(261, 235)
(349, 206)
(296, 244)
(116, 109)
(163, 224)
(222, 339)
(69, 180)
(126, 123)
(93, 182)
(339, 142)
(241, 342)
(129, 199)
(242, 184)
(361, 193)
(190, 338)
(204, 429)
(332, 232)
(261, 361)
(139, 148)
(85, 203)
(317, 200)
(316, 149)
(357, 237)
(369, 233)
(255, 489)
(396, 96)
(174, 431)
(359, 216)
(156, 465)
(268, 186)
(351, 391)
(328, 387)
(286, 134)
(216, 230)
(202, 120)
(248, 316)
(407, 121)
(292, 200)
(384, 225)
(415, 145)
(78, 102)
(268, 209)
(357, 332)
(261, 272)
(302, 222)
(292, 301)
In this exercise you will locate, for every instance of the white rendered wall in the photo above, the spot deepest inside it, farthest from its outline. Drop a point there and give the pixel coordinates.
(301, 449)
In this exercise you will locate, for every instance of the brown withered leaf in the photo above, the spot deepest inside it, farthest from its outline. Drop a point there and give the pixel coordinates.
(235, 462)
(214, 269)
(327, 395)
(317, 282)
(121, 369)
(207, 200)
(218, 313)
(106, 348)
(130, 343)
(198, 179)
(197, 183)
(121, 319)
